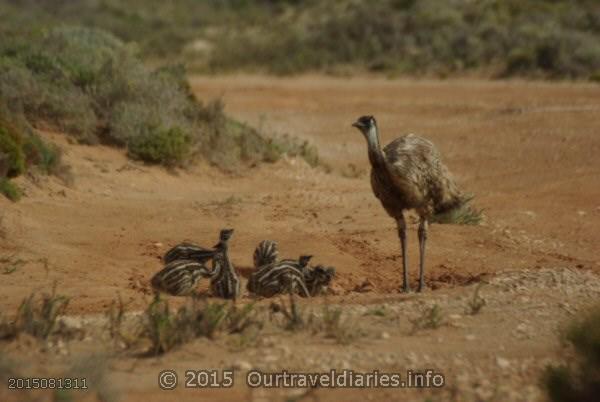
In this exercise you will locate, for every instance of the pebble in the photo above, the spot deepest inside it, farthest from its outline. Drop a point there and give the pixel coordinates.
(522, 327)
(502, 362)
(385, 335)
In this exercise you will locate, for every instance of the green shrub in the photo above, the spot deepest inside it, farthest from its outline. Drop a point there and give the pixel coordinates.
(286, 37)
(36, 316)
(9, 189)
(160, 145)
(94, 87)
(13, 158)
(45, 156)
(578, 381)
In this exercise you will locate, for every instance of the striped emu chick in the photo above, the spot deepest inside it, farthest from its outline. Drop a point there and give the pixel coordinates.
(179, 278)
(224, 281)
(265, 253)
(190, 251)
(285, 276)
(319, 278)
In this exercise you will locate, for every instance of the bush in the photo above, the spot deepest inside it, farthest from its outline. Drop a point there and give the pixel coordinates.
(13, 159)
(160, 145)
(285, 37)
(46, 157)
(580, 380)
(9, 189)
(91, 85)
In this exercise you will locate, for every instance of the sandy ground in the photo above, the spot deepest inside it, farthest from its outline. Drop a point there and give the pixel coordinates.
(528, 151)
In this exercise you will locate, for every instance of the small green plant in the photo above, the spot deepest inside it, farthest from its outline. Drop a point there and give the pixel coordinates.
(12, 160)
(335, 326)
(430, 318)
(379, 311)
(46, 157)
(294, 318)
(160, 327)
(240, 319)
(578, 380)
(36, 318)
(123, 334)
(9, 189)
(476, 303)
(11, 265)
(465, 214)
(331, 322)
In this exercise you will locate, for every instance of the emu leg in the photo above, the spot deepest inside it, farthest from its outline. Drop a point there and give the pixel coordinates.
(422, 240)
(402, 234)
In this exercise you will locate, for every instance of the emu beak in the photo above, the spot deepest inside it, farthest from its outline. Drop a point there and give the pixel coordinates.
(356, 124)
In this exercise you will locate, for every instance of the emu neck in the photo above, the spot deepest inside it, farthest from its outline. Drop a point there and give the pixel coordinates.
(375, 154)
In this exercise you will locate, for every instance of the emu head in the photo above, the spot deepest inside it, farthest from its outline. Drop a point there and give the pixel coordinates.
(303, 260)
(365, 124)
(224, 237)
(225, 234)
(324, 275)
(320, 278)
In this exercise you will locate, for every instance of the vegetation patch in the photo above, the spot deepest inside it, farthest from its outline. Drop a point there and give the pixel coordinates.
(93, 86)
(431, 318)
(167, 329)
(579, 379)
(465, 214)
(9, 189)
(21, 149)
(550, 39)
(36, 316)
(331, 322)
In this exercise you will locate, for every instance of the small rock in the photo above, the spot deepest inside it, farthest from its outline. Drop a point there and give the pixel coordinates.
(502, 362)
(366, 286)
(470, 337)
(158, 245)
(385, 335)
(411, 357)
(455, 316)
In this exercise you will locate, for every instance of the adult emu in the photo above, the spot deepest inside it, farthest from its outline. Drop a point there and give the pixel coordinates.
(408, 174)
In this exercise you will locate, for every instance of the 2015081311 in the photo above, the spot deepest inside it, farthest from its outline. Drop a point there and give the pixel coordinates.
(209, 378)
(47, 383)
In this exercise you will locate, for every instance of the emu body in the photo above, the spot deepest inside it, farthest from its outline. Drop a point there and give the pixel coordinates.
(224, 281)
(285, 276)
(409, 174)
(179, 278)
(265, 253)
(191, 251)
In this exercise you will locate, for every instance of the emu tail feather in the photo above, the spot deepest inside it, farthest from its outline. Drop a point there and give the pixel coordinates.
(454, 206)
